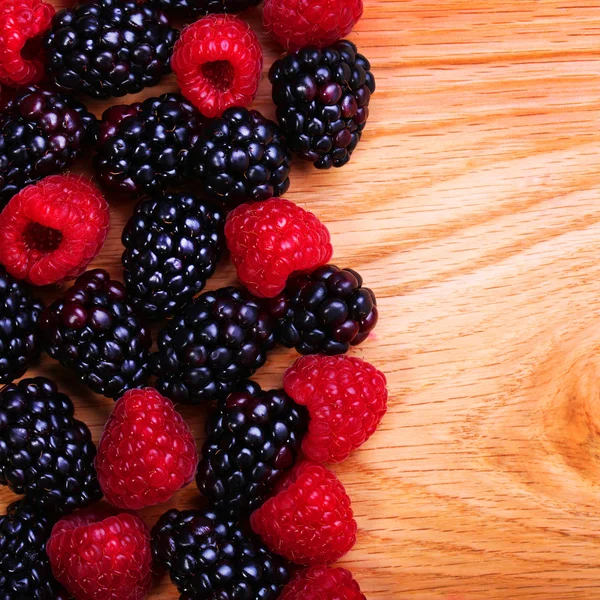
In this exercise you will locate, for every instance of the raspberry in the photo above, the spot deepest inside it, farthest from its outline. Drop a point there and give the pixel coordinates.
(310, 520)
(270, 240)
(21, 24)
(297, 23)
(102, 557)
(146, 452)
(322, 583)
(50, 231)
(346, 398)
(218, 62)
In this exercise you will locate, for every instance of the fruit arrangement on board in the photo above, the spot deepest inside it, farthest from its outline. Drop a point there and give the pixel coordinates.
(277, 517)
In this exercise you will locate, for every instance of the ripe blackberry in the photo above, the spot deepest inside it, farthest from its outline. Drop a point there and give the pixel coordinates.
(173, 244)
(324, 312)
(45, 452)
(322, 99)
(41, 132)
(108, 47)
(19, 322)
(209, 557)
(251, 440)
(25, 572)
(93, 330)
(202, 7)
(241, 156)
(217, 340)
(144, 147)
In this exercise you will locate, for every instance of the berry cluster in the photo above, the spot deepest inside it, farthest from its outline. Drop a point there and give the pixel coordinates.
(209, 175)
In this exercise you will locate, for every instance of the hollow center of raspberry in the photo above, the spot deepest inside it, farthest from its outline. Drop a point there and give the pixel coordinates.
(41, 238)
(219, 73)
(32, 48)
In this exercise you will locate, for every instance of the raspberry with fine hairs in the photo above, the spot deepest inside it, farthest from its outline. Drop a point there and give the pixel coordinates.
(22, 22)
(50, 231)
(322, 583)
(217, 62)
(270, 240)
(346, 398)
(146, 452)
(96, 556)
(298, 23)
(310, 520)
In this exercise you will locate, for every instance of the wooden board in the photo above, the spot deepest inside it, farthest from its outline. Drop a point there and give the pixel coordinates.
(472, 208)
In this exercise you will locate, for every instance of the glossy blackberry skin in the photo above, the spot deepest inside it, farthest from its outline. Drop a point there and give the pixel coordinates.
(216, 341)
(252, 439)
(45, 453)
(94, 331)
(322, 99)
(25, 571)
(324, 312)
(209, 557)
(173, 244)
(241, 156)
(42, 132)
(106, 48)
(19, 327)
(203, 7)
(144, 147)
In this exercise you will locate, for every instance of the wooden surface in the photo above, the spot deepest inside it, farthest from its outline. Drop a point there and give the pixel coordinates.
(472, 208)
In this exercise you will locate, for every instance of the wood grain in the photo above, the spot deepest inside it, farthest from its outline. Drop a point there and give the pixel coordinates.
(471, 207)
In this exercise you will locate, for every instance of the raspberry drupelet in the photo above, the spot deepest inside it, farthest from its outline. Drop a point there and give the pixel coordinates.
(322, 583)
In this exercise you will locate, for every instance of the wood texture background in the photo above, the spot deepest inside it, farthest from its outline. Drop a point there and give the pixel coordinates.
(471, 207)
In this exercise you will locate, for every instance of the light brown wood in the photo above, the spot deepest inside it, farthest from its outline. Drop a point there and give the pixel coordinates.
(472, 208)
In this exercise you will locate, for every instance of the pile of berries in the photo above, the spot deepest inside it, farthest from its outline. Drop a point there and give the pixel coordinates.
(209, 175)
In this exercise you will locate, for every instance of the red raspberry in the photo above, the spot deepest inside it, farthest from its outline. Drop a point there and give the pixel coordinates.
(217, 62)
(322, 583)
(51, 230)
(272, 239)
(298, 23)
(21, 24)
(346, 398)
(309, 521)
(146, 452)
(100, 557)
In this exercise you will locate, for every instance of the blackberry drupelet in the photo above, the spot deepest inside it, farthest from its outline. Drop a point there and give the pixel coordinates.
(252, 439)
(241, 156)
(45, 453)
(209, 557)
(25, 571)
(202, 7)
(144, 147)
(19, 324)
(216, 341)
(173, 244)
(322, 99)
(108, 47)
(324, 312)
(41, 132)
(94, 331)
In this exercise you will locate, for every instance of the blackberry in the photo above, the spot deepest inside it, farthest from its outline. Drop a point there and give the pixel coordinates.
(93, 330)
(45, 452)
(216, 341)
(41, 132)
(203, 7)
(324, 312)
(209, 557)
(19, 322)
(241, 156)
(25, 572)
(251, 440)
(108, 47)
(144, 147)
(172, 246)
(322, 99)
